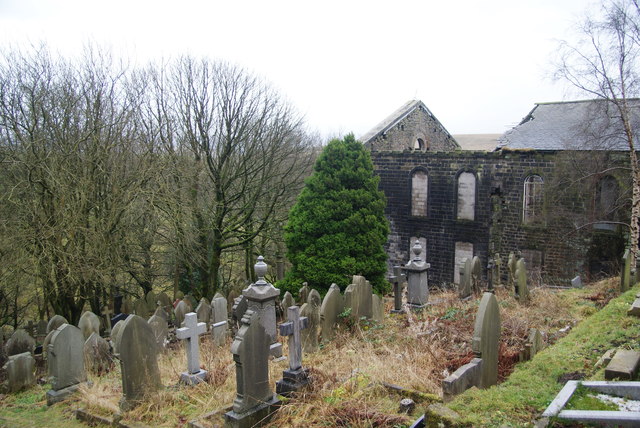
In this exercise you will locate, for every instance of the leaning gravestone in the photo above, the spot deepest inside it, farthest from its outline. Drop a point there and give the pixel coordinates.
(138, 361)
(522, 289)
(203, 311)
(486, 339)
(182, 308)
(332, 306)
(55, 322)
(160, 330)
(19, 343)
(219, 319)
(20, 370)
(97, 355)
(287, 301)
(296, 377)
(89, 323)
(311, 311)
(254, 399)
(66, 362)
(190, 333)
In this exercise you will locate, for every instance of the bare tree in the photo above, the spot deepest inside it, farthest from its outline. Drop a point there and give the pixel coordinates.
(604, 63)
(243, 154)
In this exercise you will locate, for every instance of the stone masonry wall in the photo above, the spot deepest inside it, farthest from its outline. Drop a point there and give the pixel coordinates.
(497, 226)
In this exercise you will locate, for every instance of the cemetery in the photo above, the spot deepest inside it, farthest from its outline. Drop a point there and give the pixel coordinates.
(483, 360)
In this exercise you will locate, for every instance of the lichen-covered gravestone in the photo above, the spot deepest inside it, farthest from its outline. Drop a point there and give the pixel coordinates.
(203, 311)
(311, 311)
(521, 282)
(97, 355)
(219, 319)
(19, 343)
(55, 322)
(287, 301)
(332, 306)
(138, 361)
(190, 333)
(89, 323)
(357, 296)
(303, 293)
(66, 362)
(182, 308)
(160, 330)
(254, 399)
(20, 370)
(486, 339)
(378, 308)
(464, 289)
(476, 273)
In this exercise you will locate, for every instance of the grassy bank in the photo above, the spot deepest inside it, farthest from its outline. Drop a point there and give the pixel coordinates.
(533, 385)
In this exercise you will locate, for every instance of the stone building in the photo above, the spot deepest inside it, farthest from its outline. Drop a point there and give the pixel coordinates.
(550, 189)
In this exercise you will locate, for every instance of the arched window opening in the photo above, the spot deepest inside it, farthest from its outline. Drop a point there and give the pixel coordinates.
(419, 192)
(607, 193)
(466, 196)
(418, 144)
(532, 199)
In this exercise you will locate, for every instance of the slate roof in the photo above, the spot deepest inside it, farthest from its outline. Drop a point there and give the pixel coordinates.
(394, 118)
(571, 125)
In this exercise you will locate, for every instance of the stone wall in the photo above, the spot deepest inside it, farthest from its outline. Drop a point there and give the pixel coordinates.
(497, 225)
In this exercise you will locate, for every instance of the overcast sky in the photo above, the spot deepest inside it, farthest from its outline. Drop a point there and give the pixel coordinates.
(478, 65)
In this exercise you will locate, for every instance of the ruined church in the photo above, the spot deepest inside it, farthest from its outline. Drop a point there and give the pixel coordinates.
(554, 190)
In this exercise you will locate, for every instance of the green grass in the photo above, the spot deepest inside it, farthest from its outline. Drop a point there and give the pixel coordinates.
(584, 399)
(534, 384)
(29, 409)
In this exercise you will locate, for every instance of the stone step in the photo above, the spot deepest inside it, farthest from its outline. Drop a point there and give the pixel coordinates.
(624, 365)
(635, 308)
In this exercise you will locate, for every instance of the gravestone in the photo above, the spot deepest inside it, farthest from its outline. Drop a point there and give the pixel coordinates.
(141, 308)
(190, 333)
(160, 330)
(522, 290)
(107, 313)
(165, 302)
(20, 371)
(182, 308)
(161, 313)
(219, 319)
(464, 289)
(231, 298)
(497, 276)
(66, 362)
(576, 282)
(152, 301)
(116, 319)
(41, 331)
(115, 332)
(97, 355)
(311, 311)
(55, 322)
(486, 339)
(127, 306)
(357, 296)
(190, 301)
(511, 265)
(89, 323)
(417, 280)
(332, 306)
(533, 345)
(287, 301)
(303, 294)
(625, 275)
(295, 377)
(397, 279)
(476, 273)
(254, 399)
(203, 311)
(138, 361)
(261, 299)
(19, 343)
(378, 308)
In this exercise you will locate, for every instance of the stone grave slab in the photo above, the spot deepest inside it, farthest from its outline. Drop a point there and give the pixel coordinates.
(462, 379)
(624, 365)
(634, 310)
(20, 370)
(66, 362)
(97, 355)
(19, 343)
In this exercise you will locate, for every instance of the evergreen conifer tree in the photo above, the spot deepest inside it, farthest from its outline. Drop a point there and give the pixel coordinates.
(337, 227)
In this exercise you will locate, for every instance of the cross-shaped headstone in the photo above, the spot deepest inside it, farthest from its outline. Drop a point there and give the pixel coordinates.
(396, 279)
(107, 312)
(190, 333)
(292, 329)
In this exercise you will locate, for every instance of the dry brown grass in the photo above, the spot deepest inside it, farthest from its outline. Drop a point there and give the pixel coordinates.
(415, 351)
